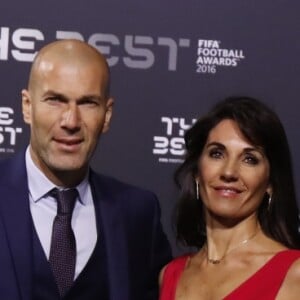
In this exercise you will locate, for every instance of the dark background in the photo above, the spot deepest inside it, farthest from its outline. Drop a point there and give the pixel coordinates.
(151, 80)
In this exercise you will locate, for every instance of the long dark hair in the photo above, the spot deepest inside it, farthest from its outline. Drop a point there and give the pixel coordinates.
(262, 127)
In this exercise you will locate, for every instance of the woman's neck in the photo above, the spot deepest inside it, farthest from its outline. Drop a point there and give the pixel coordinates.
(223, 238)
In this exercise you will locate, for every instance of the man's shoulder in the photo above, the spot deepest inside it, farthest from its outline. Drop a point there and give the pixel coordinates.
(13, 168)
(15, 159)
(14, 164)
(112, 185)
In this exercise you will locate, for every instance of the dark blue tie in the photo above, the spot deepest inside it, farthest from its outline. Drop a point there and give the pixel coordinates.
(63, 245)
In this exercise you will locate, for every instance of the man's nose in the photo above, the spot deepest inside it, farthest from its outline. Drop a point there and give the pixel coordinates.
(71, 117)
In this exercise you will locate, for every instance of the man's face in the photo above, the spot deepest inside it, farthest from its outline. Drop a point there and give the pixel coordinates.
(67, 111)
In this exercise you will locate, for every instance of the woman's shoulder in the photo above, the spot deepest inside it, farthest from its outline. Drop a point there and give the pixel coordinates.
(170, 275)
(180, 259)
(293, 273)
(290, 288)
(174, 267)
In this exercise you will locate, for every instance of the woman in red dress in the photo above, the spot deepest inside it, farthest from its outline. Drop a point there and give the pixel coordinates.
(238, 208)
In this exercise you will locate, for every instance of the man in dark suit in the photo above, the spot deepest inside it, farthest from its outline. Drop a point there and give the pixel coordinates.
(109, 243)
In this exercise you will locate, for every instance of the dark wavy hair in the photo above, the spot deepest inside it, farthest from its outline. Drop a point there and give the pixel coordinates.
(262, 127)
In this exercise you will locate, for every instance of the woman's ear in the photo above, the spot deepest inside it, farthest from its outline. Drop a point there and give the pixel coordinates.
(270, 190)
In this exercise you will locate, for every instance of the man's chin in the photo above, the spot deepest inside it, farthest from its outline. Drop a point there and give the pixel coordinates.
(66, 166)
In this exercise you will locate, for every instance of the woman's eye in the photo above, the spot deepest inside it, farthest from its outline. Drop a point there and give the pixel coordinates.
(252, 160)
(215, 153)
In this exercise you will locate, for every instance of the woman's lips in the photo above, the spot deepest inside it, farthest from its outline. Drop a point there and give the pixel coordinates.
(227, 191)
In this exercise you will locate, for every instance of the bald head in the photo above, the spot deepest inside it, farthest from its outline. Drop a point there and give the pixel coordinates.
(67, 52)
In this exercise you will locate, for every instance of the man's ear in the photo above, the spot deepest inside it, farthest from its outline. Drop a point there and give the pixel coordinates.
(26, 106)
(108, 114)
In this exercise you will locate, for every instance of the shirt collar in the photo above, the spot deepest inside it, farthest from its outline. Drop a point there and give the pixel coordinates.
(39, 185)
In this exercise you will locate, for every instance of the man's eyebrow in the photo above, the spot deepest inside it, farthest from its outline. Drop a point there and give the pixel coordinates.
(92, 96)
(51, 93)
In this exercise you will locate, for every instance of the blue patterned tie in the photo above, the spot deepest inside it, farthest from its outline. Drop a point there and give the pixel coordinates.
(63, 245)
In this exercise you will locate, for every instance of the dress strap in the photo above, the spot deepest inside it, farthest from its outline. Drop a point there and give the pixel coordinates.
(171, 277)
(266, 282)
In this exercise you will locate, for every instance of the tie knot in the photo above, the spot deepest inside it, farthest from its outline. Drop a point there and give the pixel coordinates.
(65, 200)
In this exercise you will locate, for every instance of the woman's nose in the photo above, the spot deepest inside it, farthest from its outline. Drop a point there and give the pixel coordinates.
(230, 171)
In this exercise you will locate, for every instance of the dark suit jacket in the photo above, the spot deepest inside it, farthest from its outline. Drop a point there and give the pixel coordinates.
(135, 243)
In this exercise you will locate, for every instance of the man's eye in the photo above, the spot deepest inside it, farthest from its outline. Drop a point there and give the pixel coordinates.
(91, 102)
(54, 99)
(87, 102)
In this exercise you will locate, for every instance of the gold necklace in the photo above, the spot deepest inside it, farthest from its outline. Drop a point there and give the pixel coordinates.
(217, 261)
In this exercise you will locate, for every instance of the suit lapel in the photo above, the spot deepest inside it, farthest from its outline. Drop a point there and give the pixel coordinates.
(15, 212)
(109, 209)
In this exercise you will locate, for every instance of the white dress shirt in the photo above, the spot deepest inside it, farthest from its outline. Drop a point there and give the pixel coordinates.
(43, 210)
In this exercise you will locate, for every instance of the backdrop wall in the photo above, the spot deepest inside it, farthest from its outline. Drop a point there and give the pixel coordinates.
(170, 61)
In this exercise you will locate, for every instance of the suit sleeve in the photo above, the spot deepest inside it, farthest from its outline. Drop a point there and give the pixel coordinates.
(160, 253)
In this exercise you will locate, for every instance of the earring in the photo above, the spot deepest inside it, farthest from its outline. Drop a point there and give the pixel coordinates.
(269, 201)
(197, 189)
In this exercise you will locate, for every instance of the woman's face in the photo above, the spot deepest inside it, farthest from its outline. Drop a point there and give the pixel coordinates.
(233, 174)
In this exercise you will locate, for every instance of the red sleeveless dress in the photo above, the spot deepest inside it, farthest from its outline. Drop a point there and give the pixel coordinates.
(264, 284)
